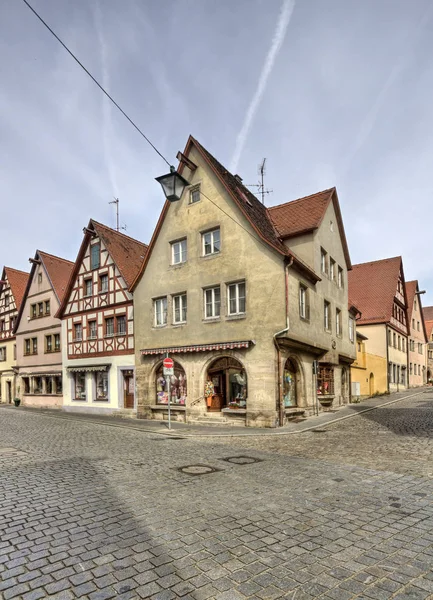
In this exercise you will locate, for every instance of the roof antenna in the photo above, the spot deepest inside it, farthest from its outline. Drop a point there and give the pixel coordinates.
(116, 202)
(261, 185)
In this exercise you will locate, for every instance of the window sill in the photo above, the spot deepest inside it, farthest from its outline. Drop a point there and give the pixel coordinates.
(177, 265)
(305, 319)
(159, 326)
(101, 400)
(121, 334)
(211, 320)
(179, 324)
(103, 292)
(108, 335)
(94, 337)
(236, 317)
(213, 255)
(52, 351)
(79, 399)
(77, 340)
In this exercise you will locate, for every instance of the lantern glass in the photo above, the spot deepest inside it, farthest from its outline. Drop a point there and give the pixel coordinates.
(173, 185)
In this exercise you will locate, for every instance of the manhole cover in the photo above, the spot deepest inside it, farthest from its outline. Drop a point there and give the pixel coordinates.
(242, 460)
(197, 469)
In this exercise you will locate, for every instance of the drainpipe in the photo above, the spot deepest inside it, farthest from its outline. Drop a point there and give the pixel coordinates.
(285, 330)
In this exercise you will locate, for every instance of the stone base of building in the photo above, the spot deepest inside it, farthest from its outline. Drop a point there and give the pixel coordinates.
(40, 401)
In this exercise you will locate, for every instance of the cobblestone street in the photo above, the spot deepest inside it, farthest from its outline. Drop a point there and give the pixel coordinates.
(339, 512)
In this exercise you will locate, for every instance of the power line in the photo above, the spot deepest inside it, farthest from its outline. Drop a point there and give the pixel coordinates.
(95, 81)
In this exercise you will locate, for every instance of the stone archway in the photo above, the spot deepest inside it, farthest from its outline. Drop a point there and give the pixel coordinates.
(226, 384)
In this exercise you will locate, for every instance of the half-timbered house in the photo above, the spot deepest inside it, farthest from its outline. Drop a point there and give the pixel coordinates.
(38, 332)
(97, 322)
(12, 286)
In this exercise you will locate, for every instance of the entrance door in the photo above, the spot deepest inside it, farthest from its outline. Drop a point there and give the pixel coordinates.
(8, 391)
(371, 384)
(128, 389)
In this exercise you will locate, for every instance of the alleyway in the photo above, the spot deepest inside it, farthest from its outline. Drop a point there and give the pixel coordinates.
(343, 511)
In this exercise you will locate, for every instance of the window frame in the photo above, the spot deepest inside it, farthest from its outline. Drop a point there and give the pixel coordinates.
(106, 397)
(327, 324)
(89, 329)
(85, 283)
(182, 244)
(192, 191)
(323, 261)
(237, 298)
(211, 232)
(304, 302)
(338, 322)
(96, 246)
(48, 344)
(163, 314)
(118, 317)
(214, 304)
(104, 277)
(78, 327)
(340, 277)
(82, 375)
(182, 309)
(332, 265)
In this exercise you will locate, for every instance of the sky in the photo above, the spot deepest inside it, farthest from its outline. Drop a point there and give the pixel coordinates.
(331, 92)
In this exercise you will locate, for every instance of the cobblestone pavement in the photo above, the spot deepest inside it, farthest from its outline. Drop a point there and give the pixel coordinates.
(89, 511)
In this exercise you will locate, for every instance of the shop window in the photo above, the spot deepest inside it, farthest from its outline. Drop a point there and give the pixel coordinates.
(59, 384)
(178, 386)
(37, 385)
(95, 256)
(49, 385)
(211, 242)
(325, 381)
(290, 384)
(80, 385)
(101, 378)
(26, 384)
(212, 299)
(226, 385)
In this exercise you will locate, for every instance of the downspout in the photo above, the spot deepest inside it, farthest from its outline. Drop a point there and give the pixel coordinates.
(285, 330)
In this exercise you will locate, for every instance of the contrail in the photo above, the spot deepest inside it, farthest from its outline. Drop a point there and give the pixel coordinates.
(106, 106)
(277, 41)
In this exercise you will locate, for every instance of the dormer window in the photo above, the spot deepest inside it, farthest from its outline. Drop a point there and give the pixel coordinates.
(95, 251)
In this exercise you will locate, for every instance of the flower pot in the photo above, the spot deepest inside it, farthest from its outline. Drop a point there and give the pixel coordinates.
(17, 401)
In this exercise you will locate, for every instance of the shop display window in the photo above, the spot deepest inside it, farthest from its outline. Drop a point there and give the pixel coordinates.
(178, 386)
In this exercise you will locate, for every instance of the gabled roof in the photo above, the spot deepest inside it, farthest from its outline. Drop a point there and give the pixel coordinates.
(254, 211)
(127, 253)
(411, 289)
(58, 271)
(427, 311)
(17, 281)
(372, 287)
(305, 215)
(428, 327)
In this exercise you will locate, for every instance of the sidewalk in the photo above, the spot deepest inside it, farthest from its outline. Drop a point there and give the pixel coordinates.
(186, 430)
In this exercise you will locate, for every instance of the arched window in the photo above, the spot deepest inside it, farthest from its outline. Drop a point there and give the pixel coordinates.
(178, 386)
(290, 384)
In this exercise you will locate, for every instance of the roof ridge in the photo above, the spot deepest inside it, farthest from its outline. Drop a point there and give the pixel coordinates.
(371, 262)
(16, 270)
(300, 199)
(54, 256)
(119, 232)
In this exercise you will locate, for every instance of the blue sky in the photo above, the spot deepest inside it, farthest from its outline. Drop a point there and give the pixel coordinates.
(331, 92)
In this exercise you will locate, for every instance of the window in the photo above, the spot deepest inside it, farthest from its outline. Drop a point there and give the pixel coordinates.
(237, 299)
(179, 308)
(178, 389)
(26, 347)
(121, 325)
(304, 308)
(160, 311)
(7, 300)
(3, 353)
(417, 325)
(332, 269)
(26, 382)
(403, 344)
(410, 368)
(399, 342)
(359, 346)
(212, 301)
(414, 304)
(178, 252)
(338, 328)
(92, 330)
(2, 325)
(48, 385)
(95, 256)
(48, 343)
(87, 287)
(39, 277)
(34, 345)
(59, 384)
(413, 323)
(57, 342)
(109, 326)
(194, 194)
(40, 309)
(37, 385)
(327, 315)
(394, 339)
(47, 307)
(351, 329)
(103, 283)
(340, 277)
(12, 323)
(419, 348)
(325, 381)
(33, 311)
(15, 351)
(323, 261)
(394, 374)
(211, 242)
(78, 332)
(80, 385)
(101, 385)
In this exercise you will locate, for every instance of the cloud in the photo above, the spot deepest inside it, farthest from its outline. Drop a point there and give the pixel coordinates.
(277, 41)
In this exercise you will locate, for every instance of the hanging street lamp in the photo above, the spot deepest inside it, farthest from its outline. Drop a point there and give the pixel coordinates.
(172, 184)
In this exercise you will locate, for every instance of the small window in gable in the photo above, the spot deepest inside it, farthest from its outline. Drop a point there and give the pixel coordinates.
(194, 194)
(95, 251)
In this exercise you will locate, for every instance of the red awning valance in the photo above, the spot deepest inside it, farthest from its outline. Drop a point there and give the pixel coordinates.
(199, 348)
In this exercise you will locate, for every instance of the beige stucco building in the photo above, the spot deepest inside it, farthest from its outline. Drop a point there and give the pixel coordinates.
(378, 290)
(428, 321)
(38, 332)
(244, 299)
(417, 342)
(12, 286)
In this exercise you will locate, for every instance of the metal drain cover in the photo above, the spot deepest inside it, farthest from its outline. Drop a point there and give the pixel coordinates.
(242, 460)
(197, 469)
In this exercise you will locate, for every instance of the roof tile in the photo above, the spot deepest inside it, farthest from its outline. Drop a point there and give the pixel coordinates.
(302, 215)
(18, 282)
(59, 270)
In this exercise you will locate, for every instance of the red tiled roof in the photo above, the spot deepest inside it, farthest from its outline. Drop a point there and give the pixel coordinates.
(427, 311)
(372, 287)
(428, 327)
(127, 253)
(302, 215)
(59, 270)
(18, 281)
(411, 287)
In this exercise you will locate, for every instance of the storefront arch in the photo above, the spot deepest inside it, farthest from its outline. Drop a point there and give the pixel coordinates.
(225, 384)
(291, 383)
(178, 385)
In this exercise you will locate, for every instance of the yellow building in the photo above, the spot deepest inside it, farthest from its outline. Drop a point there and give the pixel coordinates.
(12, 286)
(378, 290)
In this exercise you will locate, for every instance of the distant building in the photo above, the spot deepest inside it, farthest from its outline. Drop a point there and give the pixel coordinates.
(428, 320)
(12, 286)
(38, 332)
(417, 343)
(378, 290)
(98, 323)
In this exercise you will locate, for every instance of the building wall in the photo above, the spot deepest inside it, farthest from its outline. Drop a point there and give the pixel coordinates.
(397, 356)
(7, 344)
(242, 257)
(417, 356)
(370, 366)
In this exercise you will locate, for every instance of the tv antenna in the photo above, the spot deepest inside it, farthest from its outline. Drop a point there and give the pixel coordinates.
(261, 185)
(116, 202)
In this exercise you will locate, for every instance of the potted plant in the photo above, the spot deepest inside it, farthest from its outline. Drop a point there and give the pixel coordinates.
(17, 401)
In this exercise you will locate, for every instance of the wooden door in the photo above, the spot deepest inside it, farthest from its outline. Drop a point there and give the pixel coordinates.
(128, 389)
